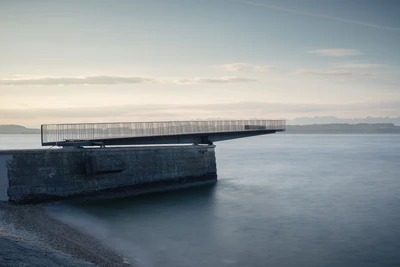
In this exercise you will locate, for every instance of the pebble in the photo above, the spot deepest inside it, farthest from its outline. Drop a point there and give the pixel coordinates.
(30, 236)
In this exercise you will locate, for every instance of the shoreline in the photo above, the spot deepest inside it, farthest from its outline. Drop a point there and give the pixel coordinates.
(30, 234)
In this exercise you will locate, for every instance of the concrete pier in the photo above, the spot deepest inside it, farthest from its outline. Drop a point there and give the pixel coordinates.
(73, 173)
(80, 170)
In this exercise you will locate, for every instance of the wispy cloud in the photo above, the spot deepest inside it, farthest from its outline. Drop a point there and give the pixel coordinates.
(76, 80)
(214, 80)
(295, 11)
(246, 66)
(333, 73)
(105, 80)
(359, 65)
(338, 52)
(231, 110)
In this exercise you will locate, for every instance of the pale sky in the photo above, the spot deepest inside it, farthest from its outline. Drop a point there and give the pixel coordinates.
(145, 60)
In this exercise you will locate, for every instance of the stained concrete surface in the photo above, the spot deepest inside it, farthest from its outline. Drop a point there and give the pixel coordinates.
(3, 176)
(35, 175)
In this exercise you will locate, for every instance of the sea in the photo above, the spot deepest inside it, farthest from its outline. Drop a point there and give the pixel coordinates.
(280, 200)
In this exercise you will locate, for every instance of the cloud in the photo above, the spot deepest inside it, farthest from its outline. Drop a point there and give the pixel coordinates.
(232, 110)
(214, 80)
(361, 23)
(360, 65)
(333, 73)
(76, 80)
(339, 52)
(246, 66)
(105, 80)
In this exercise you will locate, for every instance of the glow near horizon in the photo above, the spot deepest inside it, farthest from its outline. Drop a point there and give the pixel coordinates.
(71, 61)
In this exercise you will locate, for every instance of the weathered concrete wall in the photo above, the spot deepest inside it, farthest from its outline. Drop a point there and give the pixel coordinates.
(35, 175)
(3, 176)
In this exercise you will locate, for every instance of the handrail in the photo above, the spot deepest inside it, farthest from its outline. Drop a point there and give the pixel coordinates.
(93, 131)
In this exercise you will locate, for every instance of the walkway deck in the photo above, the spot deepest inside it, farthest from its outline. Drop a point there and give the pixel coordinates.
(167, 132)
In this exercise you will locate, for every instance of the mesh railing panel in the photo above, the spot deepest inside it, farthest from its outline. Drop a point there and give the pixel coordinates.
(92, 131)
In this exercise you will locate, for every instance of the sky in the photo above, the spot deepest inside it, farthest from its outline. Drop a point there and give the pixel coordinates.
(151, 60)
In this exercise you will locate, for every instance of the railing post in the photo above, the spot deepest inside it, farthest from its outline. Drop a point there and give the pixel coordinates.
(51, 133)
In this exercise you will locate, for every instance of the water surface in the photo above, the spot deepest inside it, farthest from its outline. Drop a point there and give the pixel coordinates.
(281, 200)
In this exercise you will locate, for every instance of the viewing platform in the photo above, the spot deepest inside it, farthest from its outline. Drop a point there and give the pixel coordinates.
(165, 132)
(120, 170)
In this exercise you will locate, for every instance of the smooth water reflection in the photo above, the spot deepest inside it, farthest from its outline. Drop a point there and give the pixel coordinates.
(281, 200)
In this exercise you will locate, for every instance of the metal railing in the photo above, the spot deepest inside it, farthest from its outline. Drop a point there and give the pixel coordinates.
(94, 131)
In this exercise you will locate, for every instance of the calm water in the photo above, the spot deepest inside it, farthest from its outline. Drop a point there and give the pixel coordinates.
(20, 141)
(281, 200)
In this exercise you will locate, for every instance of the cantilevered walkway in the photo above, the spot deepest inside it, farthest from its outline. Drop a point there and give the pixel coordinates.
(168, 132)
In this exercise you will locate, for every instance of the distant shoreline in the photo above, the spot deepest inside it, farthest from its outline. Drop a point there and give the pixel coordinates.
(22, 133)
(344, 128)
(338, 133)
(280, 133)
(17, 129)
(332, 128)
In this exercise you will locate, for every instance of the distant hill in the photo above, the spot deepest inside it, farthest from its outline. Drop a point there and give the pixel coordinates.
(332, 119)
(344, 128)
(331, 128)
(17, 129)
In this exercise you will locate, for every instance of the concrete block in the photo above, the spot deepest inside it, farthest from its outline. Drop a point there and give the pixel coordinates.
(4, 176)
(104, 164)
(67, 172)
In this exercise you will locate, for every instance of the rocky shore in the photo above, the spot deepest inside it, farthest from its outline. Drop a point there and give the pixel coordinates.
(30, 236)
